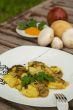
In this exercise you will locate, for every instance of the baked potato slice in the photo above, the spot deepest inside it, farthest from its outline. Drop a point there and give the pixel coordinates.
(56, 71)
(36, 66)
(30, 91)
(42, 88)
(17, 70)
(10, 80)
(58, 84)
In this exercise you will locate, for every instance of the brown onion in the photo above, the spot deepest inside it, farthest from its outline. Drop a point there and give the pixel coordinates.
(56, 13)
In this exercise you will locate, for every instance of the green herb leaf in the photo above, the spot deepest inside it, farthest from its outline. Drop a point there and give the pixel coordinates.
(26, 24)
(25, 80)
(22, 25)
(32, 23)
(49, 78)
(41, 76)
(41, 25)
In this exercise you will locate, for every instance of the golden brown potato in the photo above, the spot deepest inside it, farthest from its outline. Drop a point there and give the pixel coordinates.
(56, 71)
(36, 66)
(42, 88)
(10, 80)
(17, 70)
(58, 84)
(59, 27)
(32, 85)
(34, 70)
(31, 91)
(19, 87)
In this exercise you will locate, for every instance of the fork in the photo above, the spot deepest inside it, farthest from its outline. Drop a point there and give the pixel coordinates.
(62, 102)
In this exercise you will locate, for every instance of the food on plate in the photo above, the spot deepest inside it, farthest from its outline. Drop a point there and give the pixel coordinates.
(30, 28)
(57, 43)
(11, 80)
(32, 31)
(68, 38)
(56, 71)
(56, 13)
(17, 70)
(46, 36)
(60, 27)
(58, 84)
(36, 80)
(30, 91)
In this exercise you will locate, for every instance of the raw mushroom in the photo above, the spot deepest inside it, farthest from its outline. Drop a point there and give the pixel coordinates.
(46, 36)
(68, 38)
(57, 43)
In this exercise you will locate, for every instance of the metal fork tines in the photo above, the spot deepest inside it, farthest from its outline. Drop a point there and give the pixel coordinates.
(62, 102)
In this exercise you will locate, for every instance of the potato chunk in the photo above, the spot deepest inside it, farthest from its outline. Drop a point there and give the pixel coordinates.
(34, 70)
(31, 91)
(56, 71)
(10, 80)
(17, 70)
(58, 84)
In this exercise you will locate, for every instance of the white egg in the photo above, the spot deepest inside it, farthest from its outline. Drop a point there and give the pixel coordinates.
(46, 36)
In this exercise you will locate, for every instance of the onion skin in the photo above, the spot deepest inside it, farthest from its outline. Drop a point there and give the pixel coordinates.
(57, 43)
(56, 13)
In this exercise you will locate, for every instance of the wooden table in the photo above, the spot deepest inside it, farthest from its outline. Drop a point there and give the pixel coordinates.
(10, 39)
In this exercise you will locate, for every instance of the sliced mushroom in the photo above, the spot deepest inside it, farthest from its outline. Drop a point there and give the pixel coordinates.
(42, 88)
(17, 70)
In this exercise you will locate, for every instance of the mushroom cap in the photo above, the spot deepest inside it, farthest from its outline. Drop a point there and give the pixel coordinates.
(68, 38)
(46, 36)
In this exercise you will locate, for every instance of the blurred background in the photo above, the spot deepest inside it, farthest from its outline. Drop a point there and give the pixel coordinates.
(10, 8)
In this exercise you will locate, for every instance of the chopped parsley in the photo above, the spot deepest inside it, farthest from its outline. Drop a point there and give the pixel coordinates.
(30, 23)
(41, 25)
(41, 76)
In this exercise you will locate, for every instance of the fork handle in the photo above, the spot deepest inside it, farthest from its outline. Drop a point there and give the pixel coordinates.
(63, 109)
(60, 107)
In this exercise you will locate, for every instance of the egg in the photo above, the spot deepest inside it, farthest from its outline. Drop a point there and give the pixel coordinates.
(46, 36)
(24, 34)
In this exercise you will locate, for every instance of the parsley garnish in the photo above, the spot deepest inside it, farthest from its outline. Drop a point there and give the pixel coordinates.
(31, 23)
(41, 76)
(26, 24)
(41, 25)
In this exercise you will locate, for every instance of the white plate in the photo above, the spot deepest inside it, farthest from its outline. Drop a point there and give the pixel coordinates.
(23, 54)
(24, 34)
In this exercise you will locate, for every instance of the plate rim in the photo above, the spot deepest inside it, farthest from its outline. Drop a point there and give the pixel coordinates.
(35, 46)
